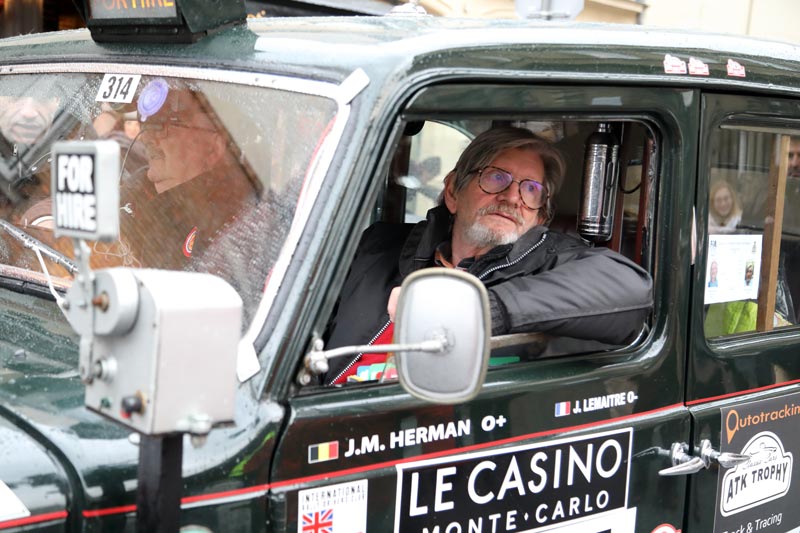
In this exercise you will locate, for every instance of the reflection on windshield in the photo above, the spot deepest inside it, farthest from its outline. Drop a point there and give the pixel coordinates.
(210, 180)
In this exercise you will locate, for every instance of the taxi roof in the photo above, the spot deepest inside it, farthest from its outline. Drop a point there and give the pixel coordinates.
(390, 47)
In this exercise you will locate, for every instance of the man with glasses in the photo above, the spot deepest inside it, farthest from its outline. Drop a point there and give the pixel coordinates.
(195, 186)
(493, 224)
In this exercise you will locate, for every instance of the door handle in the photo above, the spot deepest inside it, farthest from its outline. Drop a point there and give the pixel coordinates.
(684, 464)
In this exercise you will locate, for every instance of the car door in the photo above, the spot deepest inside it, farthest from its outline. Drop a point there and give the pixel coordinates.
(743, 373)
(574, 441)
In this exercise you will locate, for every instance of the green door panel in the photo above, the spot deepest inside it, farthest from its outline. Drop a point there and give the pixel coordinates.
(741, 386)
(393, 463)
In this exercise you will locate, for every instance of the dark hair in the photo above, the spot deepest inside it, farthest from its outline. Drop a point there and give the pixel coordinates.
(485, 147)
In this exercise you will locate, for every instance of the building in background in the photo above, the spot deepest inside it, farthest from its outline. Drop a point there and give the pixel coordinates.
(617, 11)
(32, 16)
(293, 8)
(771, 19)
(768, 19)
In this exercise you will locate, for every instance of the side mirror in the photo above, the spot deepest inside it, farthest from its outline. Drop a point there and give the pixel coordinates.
(446, 304)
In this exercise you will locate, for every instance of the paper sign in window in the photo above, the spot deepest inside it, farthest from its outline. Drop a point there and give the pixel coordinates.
(733, 268)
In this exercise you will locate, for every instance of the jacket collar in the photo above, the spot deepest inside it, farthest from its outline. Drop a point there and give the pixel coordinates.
(420, 246)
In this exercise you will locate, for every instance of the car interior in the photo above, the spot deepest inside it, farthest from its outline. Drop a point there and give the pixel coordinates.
(428, 150)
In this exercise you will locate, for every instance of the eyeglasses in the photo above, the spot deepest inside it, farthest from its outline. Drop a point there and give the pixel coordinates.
(493, 180)
(160, 128)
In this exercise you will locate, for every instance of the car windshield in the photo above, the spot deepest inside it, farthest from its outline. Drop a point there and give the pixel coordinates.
(210, 178)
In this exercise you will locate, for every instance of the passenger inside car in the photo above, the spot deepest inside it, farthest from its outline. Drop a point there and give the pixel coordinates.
(724, 213)
(193, 187)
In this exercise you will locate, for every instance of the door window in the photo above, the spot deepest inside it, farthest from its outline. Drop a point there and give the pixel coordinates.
(422, 159)
(751, 281)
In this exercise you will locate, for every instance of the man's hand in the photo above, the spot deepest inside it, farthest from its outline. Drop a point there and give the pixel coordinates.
(391, 307)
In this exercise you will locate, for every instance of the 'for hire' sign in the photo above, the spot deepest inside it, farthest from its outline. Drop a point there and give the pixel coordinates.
(85, 189)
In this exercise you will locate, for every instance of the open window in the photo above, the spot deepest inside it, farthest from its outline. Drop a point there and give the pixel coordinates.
(429, 149)
(629, 221)
(429, 138)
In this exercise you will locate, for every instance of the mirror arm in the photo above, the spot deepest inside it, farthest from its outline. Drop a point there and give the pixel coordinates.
(316, 361)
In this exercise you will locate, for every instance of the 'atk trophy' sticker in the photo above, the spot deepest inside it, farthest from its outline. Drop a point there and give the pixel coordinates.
(765, 477)
(761, 493)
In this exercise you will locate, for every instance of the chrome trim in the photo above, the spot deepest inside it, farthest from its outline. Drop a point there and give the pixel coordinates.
(255, 79)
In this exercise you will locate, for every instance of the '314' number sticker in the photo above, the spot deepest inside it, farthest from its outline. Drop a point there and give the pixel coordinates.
(118, 88)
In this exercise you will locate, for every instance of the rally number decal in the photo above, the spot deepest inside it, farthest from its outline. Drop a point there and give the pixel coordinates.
(118, 88)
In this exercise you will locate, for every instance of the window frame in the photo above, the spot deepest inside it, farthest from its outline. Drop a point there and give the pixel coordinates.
(661, 125)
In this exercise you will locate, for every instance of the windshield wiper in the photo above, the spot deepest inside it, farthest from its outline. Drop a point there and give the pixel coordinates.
(28, 286)
(35, 244)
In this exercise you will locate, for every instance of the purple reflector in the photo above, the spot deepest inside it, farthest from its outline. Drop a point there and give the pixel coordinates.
(152, 98)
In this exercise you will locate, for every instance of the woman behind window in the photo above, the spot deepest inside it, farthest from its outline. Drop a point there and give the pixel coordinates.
(724, 213)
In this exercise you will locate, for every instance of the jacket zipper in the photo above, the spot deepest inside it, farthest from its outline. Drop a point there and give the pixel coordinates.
(481, 277)
(358, 356)
(515, 261)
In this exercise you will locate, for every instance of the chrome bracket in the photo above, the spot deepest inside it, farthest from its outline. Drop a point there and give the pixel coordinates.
(685, 464)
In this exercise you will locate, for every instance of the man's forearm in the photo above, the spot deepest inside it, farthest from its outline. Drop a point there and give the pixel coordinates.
(598, 295)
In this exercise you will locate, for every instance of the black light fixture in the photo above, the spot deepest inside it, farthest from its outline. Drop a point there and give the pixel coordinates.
(161, 21)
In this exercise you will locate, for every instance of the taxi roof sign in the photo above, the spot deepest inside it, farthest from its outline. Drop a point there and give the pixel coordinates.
(160, 21)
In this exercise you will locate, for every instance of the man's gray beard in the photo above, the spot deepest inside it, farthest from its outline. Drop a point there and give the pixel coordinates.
(480, 236)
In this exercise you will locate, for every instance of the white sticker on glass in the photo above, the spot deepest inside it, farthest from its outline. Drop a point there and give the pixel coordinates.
(118, 88)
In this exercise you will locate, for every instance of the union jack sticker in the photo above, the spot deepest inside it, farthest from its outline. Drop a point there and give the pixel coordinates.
(318, 522)
(339, 508)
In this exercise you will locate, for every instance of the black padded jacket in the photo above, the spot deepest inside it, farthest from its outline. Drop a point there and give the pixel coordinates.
(545, 282)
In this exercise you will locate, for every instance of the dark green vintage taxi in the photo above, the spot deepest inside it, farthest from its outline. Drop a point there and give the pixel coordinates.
(326, 125)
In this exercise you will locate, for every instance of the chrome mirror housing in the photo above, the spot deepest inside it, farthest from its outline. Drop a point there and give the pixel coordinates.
(453, 307)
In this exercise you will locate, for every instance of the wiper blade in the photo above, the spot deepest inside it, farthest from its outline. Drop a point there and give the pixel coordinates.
(24, 286)
(35, 244)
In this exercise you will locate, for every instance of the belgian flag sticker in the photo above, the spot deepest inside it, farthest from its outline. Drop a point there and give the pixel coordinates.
(324, 451)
